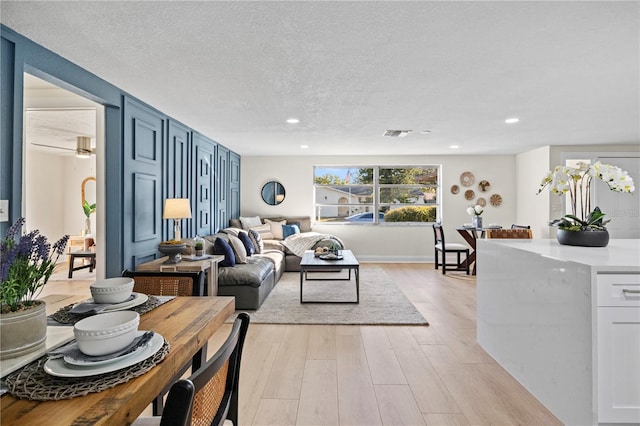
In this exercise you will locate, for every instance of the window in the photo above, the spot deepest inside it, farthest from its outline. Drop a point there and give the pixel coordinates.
(396, 193)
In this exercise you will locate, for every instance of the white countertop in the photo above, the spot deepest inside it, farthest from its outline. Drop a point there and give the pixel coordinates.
(619, 255)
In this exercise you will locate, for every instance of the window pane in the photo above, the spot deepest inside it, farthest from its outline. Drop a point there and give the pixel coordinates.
(405, 195)
(344, 194)
(343, 175)
(334, 213)
(409, 175)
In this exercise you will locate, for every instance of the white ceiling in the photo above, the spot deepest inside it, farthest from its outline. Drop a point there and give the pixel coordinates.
(235, 71)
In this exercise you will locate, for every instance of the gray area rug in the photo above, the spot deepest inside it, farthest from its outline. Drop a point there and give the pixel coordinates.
(381, 301)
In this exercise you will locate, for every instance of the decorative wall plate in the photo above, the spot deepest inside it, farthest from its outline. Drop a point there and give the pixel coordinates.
(467, 179)
(495, 200)
(484, 185)
(481, 202)
(455, 189)
(469, 194)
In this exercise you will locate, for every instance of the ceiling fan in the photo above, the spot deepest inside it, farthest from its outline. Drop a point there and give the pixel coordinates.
(82, 149)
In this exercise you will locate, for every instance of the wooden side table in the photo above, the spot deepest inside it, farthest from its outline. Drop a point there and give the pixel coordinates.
(209, 266)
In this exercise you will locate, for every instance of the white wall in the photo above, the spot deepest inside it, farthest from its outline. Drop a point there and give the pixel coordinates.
(532, 209)
(52, 201)
(383, 242)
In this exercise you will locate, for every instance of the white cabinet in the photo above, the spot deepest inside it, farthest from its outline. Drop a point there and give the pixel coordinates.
(618, 322)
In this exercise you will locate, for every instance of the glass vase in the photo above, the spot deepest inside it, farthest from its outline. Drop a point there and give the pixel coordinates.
(477, 221)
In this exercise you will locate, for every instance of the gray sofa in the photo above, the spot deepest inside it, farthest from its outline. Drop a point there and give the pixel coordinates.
(251, 282)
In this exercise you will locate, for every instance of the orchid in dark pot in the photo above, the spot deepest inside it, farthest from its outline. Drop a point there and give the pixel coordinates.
(584, 226)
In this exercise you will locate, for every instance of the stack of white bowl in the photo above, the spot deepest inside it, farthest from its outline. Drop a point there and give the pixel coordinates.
(109, 332)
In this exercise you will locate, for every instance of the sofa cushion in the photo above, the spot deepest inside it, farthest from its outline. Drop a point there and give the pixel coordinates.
(248, 245)
(238, 249)
(276, 228)
(274, 245)
(222, 247)
(290, 230)
(256, 239)
(264, 231)
(277, 258)
(249, 222)
(251, 273)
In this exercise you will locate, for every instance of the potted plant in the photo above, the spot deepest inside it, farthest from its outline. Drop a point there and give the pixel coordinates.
(88, 209)
(26, 265)
(588, 228)
(475, 213)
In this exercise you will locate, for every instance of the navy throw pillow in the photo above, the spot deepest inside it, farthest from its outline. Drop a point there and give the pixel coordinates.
(256, 239)
(248, 245)
(223, 247)
(288, 230)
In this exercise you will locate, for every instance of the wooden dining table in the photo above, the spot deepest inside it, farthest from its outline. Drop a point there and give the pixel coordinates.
(470, 235)
(186, 323)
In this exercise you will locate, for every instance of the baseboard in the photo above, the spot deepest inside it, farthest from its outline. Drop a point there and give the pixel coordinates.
(395, 259)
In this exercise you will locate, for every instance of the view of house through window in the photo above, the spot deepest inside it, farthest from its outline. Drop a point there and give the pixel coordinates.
(376, 194)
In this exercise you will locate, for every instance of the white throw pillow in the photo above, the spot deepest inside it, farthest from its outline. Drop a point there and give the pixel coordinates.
(238, 249)
(250, 222)
(264, 231)
(276, 228)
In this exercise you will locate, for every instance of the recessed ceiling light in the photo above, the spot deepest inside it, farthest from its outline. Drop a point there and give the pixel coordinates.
(512, 120)
(293, 120)
(425, 132)
(304, 146)
(454, 146)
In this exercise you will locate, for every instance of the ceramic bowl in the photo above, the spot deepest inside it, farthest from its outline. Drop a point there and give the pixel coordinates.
(106, 333)
(111, 290)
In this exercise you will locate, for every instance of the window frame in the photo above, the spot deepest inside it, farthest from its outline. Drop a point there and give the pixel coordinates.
(376, 186)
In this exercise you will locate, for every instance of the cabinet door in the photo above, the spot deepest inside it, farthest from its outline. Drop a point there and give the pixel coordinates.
(619, 364)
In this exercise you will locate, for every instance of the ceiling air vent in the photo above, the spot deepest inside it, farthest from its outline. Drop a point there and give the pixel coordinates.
(396, 133)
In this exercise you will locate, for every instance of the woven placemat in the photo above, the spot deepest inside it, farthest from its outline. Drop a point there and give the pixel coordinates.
(64, 317)
(32, 382)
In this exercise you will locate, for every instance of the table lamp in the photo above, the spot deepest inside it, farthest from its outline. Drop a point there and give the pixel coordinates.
(177, 209)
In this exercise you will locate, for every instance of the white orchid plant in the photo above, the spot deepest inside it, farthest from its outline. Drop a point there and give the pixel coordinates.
(475, 211)
(576, 181)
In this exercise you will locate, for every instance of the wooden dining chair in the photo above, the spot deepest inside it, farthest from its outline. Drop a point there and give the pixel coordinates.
(443, 248)
(168, 283)
(510, 233)
(210, 395)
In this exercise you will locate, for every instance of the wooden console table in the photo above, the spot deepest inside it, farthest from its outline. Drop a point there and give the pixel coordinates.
(209, 266)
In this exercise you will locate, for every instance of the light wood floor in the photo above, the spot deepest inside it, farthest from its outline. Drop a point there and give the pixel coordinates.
(376, 375)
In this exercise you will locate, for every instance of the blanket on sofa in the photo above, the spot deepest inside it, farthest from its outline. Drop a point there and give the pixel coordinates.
(299, 243)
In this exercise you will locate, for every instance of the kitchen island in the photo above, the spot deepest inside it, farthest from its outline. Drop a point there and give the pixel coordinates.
(565, 322)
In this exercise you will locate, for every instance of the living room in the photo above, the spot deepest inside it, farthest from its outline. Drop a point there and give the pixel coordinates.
(464, 68)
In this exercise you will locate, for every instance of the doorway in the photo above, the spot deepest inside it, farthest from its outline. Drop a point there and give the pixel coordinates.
(56, 124)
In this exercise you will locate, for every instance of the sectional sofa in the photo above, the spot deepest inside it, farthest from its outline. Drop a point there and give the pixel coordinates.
(251, 276)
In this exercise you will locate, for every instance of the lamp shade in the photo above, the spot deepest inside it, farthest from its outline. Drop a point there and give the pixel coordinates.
(176, 208)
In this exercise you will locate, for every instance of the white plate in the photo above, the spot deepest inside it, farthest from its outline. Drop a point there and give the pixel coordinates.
(139, 299)
(57, 367)
(85, 364)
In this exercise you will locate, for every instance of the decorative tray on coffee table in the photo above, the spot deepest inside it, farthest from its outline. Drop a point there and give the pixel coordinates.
(331, 256)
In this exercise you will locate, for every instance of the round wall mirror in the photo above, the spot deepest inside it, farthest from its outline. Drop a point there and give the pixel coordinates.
(273, 193)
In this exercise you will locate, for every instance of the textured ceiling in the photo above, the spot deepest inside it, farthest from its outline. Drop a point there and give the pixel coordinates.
(235, 71)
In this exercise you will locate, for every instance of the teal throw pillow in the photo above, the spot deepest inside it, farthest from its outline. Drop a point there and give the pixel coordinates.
(288, 230)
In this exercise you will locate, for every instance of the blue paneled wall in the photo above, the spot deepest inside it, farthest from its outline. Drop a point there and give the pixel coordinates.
(148, 157)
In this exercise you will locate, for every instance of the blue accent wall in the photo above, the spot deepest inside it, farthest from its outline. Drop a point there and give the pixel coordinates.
(148, 157)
